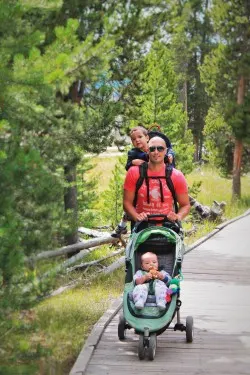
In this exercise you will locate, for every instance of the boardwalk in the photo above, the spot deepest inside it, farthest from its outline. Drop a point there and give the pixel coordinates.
(216, 292)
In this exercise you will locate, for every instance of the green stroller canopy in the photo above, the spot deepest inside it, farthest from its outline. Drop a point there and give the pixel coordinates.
(139, 238)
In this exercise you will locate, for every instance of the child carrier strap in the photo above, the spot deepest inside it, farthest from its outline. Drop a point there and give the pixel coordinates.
(143, 175)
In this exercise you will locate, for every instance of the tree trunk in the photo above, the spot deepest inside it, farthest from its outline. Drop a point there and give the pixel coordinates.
(201, 146)
(70, 202)
(75, 92)
(185, 102)
(236, 188)
(196, 145)
(238, 148)
(70, 195)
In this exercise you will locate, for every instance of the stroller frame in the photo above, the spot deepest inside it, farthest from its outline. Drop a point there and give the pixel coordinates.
(150, 322)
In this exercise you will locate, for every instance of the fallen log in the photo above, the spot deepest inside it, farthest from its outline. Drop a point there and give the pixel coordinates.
(92, 232)
(82, 254)
(96, 233)
(112, 267)
(217, 210)
(62, 289)
(60, 267)
(93, 262)
(189, 232)
(205, 212)
(107, 270)
(72, 248)
(68, 262)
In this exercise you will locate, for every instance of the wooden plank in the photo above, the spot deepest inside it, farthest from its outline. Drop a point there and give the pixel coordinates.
(182, 369)
(216, 291)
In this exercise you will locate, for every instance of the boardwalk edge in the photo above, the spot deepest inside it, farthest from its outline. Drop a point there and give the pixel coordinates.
(94, 337)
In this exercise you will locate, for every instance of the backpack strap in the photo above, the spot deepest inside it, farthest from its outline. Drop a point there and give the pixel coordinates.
(169, 170)
(144, 175)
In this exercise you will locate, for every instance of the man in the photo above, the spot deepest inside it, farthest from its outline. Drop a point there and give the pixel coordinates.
(160, 198)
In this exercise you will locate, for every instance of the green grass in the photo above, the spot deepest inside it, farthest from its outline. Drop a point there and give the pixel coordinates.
(51, 333)
(214, 187)
(103, 170)
(71, 315)
(217, 188)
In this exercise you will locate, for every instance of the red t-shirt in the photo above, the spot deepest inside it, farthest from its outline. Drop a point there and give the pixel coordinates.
(155, 206)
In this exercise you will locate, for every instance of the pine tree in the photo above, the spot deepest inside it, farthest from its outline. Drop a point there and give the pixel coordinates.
(86, 202)
(41, 133)
(111, 93)
(190, 37)
(226, 73)
(112, 207)
(157, 102)
(25, 216)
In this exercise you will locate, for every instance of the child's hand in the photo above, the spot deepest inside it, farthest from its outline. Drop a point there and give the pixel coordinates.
(154, 272)
(148, 276)
(160, 275)
(137, 162)
(170, 159)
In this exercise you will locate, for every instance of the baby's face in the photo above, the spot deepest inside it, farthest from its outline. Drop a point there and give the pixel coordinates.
(148, 262)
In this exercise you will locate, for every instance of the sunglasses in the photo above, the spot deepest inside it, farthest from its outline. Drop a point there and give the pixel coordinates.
(158, 148)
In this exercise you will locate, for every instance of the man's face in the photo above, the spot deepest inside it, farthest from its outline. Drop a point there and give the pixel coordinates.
(157, 150)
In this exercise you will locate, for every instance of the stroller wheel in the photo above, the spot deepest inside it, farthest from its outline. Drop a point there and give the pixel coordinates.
(152, 347)
(189, 328)
(141, 347)
(121, 327)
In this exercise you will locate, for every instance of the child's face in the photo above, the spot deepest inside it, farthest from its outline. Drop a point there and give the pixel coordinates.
(140, 140)
(149, 261)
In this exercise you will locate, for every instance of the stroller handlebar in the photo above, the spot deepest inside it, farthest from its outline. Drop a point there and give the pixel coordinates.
(162, 218)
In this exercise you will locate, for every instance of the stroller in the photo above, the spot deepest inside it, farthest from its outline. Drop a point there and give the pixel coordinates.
(166, 241)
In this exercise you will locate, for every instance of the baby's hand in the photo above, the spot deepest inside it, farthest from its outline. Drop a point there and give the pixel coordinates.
(154, 273)
(148, 276)
(160, 275)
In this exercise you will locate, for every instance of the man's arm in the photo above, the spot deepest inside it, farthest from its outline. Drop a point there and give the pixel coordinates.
(184, 208)
(184, 205)
(128, 198)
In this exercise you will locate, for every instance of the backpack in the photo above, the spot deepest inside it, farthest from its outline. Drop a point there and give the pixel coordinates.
(143, 175)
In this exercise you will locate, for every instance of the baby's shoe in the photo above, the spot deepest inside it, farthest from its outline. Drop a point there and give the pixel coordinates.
(139, 304)
(161, 305)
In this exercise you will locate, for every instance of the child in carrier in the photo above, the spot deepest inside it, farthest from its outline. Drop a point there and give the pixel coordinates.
(136, 156)
(147, 278)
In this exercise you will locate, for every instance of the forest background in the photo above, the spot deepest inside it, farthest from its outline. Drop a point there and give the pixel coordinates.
(74, 74)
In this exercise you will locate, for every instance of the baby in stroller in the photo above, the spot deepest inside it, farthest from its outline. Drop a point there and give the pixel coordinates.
(154, 315)
(149, 280)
